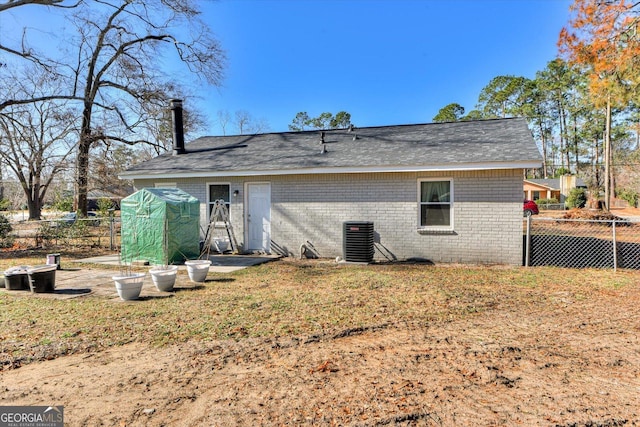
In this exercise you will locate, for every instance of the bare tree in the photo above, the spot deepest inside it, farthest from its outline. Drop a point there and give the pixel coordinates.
(114, 70)
(9, 4)
(160, 126)
(243, 119)
(247, 124)
(117, 73)
(108, 161)
(36, 139)
(223, 120)
(23, 50)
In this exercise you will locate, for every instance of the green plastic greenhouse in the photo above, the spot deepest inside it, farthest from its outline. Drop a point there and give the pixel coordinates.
(161, 226)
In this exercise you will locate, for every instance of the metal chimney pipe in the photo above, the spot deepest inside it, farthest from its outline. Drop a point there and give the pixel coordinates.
(177, 126)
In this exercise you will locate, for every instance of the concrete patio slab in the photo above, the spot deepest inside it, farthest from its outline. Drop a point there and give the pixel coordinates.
(219, 263)
(95, 281)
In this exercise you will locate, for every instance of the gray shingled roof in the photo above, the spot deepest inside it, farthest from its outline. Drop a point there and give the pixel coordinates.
(484, 144)
(554, 183)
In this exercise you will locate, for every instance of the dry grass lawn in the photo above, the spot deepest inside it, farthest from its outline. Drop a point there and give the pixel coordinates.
(316, 343)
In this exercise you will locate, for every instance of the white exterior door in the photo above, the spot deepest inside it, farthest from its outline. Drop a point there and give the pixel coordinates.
(258, 217)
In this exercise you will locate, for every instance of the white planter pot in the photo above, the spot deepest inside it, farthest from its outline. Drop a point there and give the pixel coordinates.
(164, 277)
(129, 286)
(221, 245)
(198, 269)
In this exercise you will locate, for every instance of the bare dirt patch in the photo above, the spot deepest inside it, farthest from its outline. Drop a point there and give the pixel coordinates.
(550, 352)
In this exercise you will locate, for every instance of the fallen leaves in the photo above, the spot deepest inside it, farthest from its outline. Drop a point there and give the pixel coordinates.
(326, 366)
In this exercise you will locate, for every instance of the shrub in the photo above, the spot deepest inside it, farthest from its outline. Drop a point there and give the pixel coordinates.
(577, 198)
(544, 202)
(61, 233)
(5, 204)
(5, 228)
(630, 196)
(104, 204)
(49, 232)
(63, 204)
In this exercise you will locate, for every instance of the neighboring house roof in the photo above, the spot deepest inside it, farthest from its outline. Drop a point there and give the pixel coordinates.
(118, 193)
(554, 183)
(472, 145)
(548, 184)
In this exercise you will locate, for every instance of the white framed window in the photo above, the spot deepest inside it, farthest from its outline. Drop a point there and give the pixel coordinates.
(435, 202)
(217, 191)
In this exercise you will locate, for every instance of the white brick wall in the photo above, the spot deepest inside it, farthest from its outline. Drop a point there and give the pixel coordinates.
(487, 213)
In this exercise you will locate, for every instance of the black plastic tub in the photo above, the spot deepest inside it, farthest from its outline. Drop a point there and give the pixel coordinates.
(42, 278)
(17, 278)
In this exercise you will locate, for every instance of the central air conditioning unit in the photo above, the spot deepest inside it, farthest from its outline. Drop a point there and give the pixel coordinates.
(357, 243)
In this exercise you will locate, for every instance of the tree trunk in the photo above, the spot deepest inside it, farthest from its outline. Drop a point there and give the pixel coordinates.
(607, 156)
(82, 172)
(562, 134)
(567, 148)
(82, 161)
(544, 150)
(34, 205)
(596, 161)
(575, 143)
(1, 184)
(35, 208)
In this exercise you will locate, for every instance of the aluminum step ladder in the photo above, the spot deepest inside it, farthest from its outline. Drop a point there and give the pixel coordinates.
(219, 220)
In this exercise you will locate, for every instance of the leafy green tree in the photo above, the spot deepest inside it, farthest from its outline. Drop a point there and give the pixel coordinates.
(341, 120)
(449, 113)
(602, 38)
(502, 97)
(302, 121)
(473, 115)
(634, 121)
(322, 122)
(563, 88)
(539, 121)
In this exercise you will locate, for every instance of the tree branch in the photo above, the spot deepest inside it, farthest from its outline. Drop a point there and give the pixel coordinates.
(10, 4)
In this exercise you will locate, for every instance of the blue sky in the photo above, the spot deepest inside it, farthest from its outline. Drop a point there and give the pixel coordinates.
(384, 61)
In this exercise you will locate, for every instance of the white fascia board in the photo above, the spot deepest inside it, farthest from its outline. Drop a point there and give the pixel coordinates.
(312, 171)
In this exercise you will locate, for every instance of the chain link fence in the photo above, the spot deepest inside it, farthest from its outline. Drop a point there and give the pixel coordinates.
(575, 243)
(571, 243)
(93, 232)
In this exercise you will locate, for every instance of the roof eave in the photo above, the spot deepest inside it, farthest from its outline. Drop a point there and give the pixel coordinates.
(546, 187)
(524, 164)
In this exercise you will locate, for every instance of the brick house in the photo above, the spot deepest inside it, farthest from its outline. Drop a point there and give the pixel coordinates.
(448, 192)
(552, 188)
